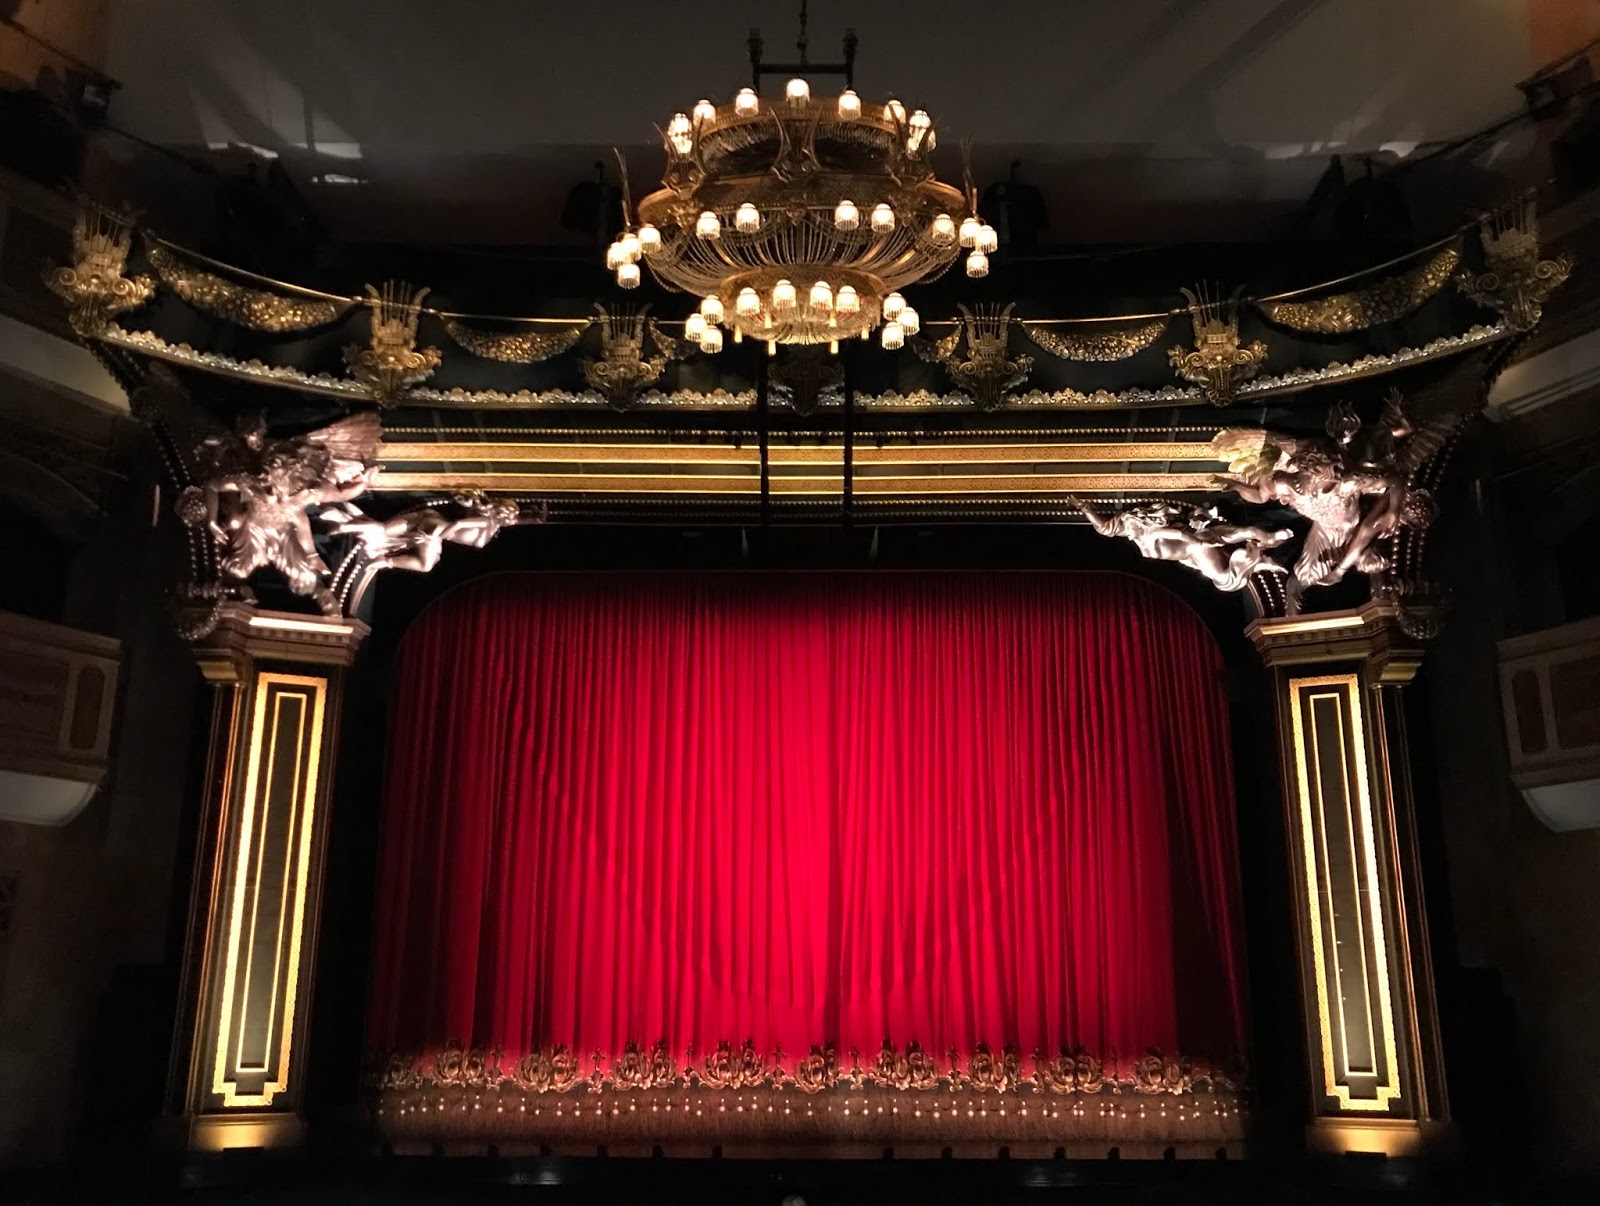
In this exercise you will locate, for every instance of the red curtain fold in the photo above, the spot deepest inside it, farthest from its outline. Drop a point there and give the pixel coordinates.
(807, 808)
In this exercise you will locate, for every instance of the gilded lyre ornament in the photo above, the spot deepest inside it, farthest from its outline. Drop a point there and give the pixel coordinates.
(1217, 363)
(1386, 300)
(989, 372)
(1355, 485)
(1515, 282)
(256, 498)
(96, 286)
(516, 347)
(1227, 554)
(257, 309)
(1097, 343)
(623, 369)
(391, 362)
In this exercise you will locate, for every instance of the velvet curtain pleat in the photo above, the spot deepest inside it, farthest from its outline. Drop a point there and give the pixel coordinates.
(798, 809)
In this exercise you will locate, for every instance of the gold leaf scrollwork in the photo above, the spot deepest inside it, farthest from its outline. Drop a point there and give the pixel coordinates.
(638, 1069)
(467, 1067)
(515, 347)
(1217, 363)
(912, 1069)
(96, 287)
(391, 362)
(1099, 346)
(257, 309)
(552, 1070)
(1515, 282)
(817, 1070)
(1155, 1073)
(1384, 301)
(990, 1073)
(1073, 1070)
(726, 1068)
(400, 1072)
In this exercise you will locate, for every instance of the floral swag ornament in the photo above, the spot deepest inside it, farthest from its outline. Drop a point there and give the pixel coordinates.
(1071, 1070)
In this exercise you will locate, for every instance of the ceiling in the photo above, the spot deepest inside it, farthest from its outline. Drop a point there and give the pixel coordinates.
(409, 118)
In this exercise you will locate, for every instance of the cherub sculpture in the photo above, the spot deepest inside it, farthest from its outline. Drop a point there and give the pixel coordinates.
(1354, 485)
(1225, 553)
(415, 539)
(256, 496)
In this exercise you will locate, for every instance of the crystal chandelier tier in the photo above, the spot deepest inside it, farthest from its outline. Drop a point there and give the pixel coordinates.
(799, 219)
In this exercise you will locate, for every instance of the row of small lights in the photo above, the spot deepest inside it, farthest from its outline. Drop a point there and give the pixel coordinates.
(981, 1109)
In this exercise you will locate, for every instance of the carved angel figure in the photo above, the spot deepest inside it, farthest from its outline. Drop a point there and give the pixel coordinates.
(256, 495)
(1225, 553)
(415, 539)
(1354, 485)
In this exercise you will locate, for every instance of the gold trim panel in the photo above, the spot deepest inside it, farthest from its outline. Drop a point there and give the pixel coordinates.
(1344, 894)
(516, 453)
(828, 485)
(270, 867)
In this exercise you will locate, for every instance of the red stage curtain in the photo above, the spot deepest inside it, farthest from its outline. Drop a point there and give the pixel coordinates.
(949, 808)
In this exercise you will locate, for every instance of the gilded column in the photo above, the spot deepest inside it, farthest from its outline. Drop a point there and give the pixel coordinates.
(1367, 994)
(239, 1056)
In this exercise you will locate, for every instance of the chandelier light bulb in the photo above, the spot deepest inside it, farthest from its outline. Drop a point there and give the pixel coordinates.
(707, 225)
(694, 327)
(894, 336)
(849, 105)
(882, 218)
(894, 111)
(798, 91)
(977, 265)
(631, 246)
(747, 219)
(783, 296)
(704, 112)
(616, 257)
(748, 303)
(921, 125)
(628, 275)
(680, 133)
(747, 103)
(822, 297)
(892, 305)
(969, 232)
(847, 300)
(846, 216)
(649, 239)
(943, 230)
(711, 307)
(988, 240)
(711, 341)
(910, 321)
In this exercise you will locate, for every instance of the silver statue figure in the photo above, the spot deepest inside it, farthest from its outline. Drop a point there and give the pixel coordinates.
(1227, 554)
(415, 539)
(1354, 485)
(256, 494)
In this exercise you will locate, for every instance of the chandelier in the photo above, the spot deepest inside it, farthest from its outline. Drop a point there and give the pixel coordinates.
(799, 219)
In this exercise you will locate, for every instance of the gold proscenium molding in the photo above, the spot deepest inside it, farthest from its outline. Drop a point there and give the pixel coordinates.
(1367, 1000)
(918, 470)
(1339, 843)
(269, 880)
(239, 1058)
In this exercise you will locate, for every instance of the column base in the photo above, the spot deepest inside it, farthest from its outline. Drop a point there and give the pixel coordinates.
(1398, 1138)
(242, 1131)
